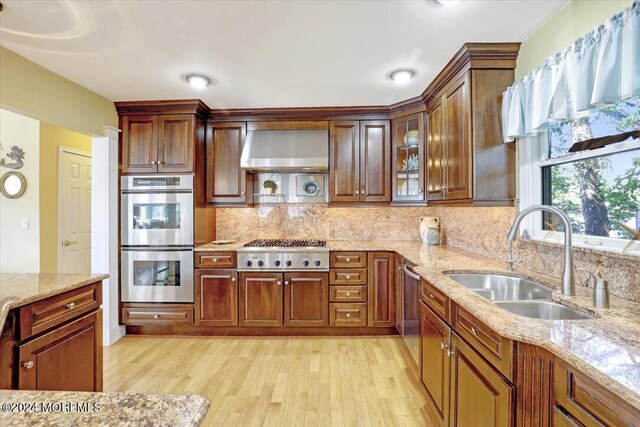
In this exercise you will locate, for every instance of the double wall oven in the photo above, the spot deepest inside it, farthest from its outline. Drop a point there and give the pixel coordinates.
(157, 238)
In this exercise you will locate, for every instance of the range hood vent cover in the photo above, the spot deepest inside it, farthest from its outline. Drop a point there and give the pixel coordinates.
(286, 150)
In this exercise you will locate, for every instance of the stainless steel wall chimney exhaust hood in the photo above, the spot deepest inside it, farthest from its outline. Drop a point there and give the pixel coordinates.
(286, 151)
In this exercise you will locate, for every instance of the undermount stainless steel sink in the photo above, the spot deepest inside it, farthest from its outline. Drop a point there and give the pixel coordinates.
(543, 310)
(498, 287)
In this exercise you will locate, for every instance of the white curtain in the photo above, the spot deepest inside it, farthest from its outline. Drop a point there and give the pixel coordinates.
(601, 68)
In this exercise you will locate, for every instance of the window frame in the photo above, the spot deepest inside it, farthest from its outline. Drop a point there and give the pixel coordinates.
(532, 158)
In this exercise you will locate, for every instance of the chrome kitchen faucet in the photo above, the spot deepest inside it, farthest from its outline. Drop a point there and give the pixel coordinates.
(568, 284)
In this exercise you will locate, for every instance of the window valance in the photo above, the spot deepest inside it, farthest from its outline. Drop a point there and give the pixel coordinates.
(601, 68)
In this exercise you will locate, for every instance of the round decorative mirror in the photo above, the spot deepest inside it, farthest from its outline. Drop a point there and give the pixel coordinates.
(13, 185)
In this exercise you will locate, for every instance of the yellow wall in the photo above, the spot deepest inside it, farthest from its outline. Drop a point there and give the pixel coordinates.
(52, 137)
(570, 23)
(31, 90)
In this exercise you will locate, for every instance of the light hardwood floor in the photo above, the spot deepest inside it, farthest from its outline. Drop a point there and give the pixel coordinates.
(288, 381)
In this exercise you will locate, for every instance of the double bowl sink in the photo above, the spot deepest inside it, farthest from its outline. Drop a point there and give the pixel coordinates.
(517, 295)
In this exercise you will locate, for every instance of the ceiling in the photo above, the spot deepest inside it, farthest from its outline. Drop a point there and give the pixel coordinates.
(258, 53)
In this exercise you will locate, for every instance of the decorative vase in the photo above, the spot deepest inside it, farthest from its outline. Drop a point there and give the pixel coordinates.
(426, 223)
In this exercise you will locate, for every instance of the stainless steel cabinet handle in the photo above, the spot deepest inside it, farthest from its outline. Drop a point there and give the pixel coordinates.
(71, 305)
(28, 365)
(444, 346)
(474, 330)
(156, 316)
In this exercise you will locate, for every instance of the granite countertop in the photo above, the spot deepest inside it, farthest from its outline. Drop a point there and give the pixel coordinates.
(18, 289)
(100, 409)
(606, 348)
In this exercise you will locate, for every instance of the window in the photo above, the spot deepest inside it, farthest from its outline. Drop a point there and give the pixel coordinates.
(598, 189)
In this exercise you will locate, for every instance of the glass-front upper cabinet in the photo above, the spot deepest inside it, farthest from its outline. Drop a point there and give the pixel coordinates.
(408, 158)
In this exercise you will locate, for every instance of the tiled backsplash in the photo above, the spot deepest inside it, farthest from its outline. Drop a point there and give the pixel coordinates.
(479, 230)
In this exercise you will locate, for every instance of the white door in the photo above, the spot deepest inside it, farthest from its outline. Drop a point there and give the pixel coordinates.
(74, 211)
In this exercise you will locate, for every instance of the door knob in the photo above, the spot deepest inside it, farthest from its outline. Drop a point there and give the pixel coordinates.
(69, 242)
(28, 365)
(71, 305)
(156, 316)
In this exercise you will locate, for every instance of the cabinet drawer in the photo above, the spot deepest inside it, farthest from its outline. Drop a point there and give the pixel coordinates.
(48, 313)
(344, 314)
(215, 259)
(435, 299)
(348, 277)
(348, 294)
(348, 260)
(157, 315)
(588, 402)
(497, 350)
(559, 418)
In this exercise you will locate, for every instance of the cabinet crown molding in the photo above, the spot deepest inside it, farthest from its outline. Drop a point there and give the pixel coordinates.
(178, 106)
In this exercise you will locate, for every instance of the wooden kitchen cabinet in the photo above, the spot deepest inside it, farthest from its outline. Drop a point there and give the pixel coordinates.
(466, 160)
(435, 336)
(382, 291)
(306, 299)
(68, 358)
(479, 395)
(216, 297)
(359, 154)
(227, 182)
(158, 143)
(408, 158)
(261, 299)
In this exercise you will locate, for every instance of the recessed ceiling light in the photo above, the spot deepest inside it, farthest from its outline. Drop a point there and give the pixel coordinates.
(402, 75)
(197, 80)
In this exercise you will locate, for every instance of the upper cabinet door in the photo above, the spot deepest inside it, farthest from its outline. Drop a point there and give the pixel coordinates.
(344, 158)
(226, 182)
(458, 140)
(375, 168)
(175, 143)
(139, 144)
(435, 148)
(408, 158)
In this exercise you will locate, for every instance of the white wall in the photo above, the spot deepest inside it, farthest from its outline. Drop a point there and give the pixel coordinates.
(20, 249)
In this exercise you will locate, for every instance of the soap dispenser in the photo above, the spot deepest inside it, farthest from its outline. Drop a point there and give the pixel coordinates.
(600, 289)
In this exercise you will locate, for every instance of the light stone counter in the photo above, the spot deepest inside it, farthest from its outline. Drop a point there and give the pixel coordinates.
(18, 289)
(606, 348)
(100, 409)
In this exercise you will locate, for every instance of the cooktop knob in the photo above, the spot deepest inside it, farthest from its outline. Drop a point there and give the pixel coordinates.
(316, 263)
(277, 263)
(288, 263)
(305, 262)
(249, 263)
(260, 263)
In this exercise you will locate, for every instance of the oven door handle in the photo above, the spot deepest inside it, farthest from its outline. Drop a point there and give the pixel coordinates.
(157, 249)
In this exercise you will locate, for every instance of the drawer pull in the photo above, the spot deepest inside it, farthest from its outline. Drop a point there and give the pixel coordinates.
(474, 330)
(215, 260)
(233, 279)
(347, 277)
(156, 316)
(443, 346)
(71, 305)
(28, 365)
(348, 259)
(348, 294)
(431, 296)
(348, 314)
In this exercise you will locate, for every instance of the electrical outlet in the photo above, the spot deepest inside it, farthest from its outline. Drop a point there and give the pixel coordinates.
(25, 225)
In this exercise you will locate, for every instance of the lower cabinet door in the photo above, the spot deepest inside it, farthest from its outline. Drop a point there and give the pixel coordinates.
(68, 358)
(382, 291)
(216, 298)
(435, 364)
(261, 296)
(306, 299)
(480, 396)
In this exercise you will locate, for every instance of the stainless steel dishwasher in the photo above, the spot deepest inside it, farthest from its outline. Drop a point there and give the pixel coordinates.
(410, 317)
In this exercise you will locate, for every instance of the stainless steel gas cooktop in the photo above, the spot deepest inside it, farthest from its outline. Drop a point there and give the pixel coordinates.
(284, 255)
